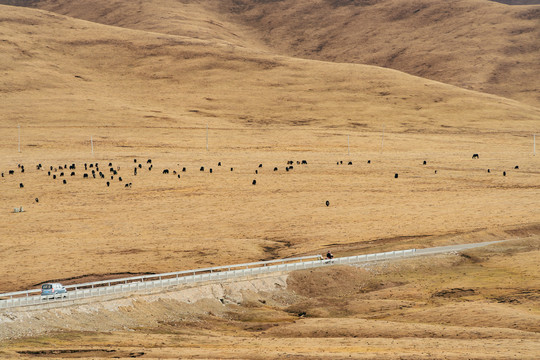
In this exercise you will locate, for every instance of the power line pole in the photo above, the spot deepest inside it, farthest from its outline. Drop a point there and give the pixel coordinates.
(382, 138)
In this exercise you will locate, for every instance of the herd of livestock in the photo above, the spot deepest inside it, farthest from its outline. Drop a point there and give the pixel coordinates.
(110, 173)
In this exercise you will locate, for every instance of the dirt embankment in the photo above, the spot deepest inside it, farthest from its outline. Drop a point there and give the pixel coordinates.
(479, 303)
(137, 311)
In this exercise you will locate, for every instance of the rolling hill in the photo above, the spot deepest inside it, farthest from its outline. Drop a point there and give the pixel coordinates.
(474, 44)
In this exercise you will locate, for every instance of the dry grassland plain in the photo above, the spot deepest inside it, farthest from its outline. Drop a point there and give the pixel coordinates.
(145, 93)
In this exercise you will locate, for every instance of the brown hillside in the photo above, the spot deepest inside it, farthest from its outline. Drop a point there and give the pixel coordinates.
(194, 79)
(474, 44)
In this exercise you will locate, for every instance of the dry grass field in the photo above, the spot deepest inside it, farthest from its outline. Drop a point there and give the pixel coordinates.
(145, 83)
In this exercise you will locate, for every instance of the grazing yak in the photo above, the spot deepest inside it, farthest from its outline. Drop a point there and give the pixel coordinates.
(475, 156)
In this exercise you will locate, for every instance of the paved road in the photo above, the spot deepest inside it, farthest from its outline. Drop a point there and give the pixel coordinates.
(132, 285)
(450, 248)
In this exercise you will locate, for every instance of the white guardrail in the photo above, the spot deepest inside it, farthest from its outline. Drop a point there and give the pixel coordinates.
(145, 282)
(136, 283)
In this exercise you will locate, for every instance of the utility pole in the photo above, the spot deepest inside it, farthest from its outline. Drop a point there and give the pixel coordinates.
(382, 138)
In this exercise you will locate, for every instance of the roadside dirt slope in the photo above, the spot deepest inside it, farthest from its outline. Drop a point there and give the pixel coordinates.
(467, 305)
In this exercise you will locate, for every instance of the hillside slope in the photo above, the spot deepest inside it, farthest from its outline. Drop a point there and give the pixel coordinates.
(474, 44)
(92, 64)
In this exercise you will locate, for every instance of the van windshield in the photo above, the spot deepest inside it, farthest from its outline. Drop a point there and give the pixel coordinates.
(47, 286)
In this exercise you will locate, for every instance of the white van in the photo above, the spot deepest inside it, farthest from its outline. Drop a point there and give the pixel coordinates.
(53, 290)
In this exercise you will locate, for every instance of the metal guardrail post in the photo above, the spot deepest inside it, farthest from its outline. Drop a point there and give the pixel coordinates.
(233, 271)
